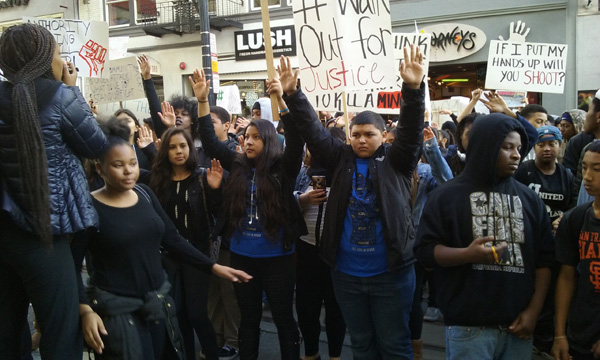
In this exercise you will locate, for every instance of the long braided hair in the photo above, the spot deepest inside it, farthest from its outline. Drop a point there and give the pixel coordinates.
(26, 53)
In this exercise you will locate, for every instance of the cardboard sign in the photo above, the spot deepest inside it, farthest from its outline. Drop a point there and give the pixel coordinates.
(345, 46)
(125, 83)
(84, 43)
(534, 67)
(228, 98)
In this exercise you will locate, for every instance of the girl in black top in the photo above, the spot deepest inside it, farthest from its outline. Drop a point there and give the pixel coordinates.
(191, 203)
(130, 316)
(260, 217)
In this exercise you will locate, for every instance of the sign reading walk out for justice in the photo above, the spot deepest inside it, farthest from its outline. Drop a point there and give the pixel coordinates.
(84, 43)
(345, 45)
(533, 67)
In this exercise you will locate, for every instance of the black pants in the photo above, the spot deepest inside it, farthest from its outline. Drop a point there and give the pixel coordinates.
(313, 289)
(190, 293)
(33, 272)
(276, 276)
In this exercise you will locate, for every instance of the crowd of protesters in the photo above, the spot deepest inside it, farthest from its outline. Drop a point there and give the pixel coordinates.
(496, 214)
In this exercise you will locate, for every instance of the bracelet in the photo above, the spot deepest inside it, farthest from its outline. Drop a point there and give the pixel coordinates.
(495, 254)
(560, 337)
(202, 101)
(284, 110)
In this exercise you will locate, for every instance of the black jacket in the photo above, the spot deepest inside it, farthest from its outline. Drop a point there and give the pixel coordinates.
(123, 340)
(283, 173)
(69, 130)
(391, 169)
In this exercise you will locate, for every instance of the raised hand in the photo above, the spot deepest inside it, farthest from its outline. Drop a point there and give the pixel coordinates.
(517, 35)
(411, 68)
(427, 134)
(476, 94)
(145, 137)
(200, 85)
(144, 64)
(214, 175)
(287, 76)
(274, 87)
(494, 102)
(167, 114)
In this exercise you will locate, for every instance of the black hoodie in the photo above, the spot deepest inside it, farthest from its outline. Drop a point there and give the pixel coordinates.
(463, 209)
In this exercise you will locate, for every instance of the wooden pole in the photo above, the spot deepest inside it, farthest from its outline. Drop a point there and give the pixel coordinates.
(264, 11)
(345, 108)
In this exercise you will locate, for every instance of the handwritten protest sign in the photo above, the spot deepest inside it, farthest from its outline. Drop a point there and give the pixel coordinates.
(117, 47)
(526, 66)
(139, 108)
(513, 99)
(84, 43)
(344, 46)
(228, 98)
(125, 83)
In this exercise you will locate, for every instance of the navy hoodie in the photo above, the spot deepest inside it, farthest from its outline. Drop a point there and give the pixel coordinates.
(476, 204)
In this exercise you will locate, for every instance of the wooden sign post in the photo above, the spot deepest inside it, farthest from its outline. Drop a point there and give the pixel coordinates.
(264, 11)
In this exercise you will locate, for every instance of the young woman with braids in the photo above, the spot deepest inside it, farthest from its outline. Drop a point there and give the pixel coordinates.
(128, 313)
(45, 124)
(183, 192)
(260, 219)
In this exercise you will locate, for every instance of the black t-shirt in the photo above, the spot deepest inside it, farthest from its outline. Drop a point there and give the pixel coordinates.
(558, 191)
(125, 249)
(583, 253)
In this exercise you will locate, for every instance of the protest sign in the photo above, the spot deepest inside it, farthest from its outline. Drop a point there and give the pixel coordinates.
(214, 62)
(117, 47)
(513, 99)
(125, 83)
(345, 47)
(228, 98)
(139, 108)
(84, 43)
(534, 67)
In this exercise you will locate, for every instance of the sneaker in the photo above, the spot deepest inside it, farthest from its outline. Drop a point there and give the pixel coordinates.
(228, 352)
(432, 314)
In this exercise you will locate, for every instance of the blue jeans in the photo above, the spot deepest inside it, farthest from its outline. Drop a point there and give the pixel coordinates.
(376, 310)
(484, 342)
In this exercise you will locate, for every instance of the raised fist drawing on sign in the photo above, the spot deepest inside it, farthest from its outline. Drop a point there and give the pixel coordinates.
(94, 55)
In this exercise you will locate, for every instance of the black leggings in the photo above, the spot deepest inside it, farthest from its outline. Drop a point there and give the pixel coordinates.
(190, 293)
(313, 289)
(276, 276)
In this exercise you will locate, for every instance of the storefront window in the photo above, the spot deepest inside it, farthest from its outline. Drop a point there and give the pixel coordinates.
(119, 11)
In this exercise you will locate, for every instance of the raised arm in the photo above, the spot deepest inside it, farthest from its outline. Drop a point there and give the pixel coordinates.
(210, 142)
(319, 141)
(153, 101)
(292, 156)
(439, 167)
(406, 148)
(475, 96)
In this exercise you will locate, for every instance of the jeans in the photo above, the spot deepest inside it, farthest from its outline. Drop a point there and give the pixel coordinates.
(484, 342)
(33, 272)
(377, 310)
(276, 276)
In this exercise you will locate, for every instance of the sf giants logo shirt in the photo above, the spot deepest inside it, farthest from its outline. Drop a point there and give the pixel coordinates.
(589, 257)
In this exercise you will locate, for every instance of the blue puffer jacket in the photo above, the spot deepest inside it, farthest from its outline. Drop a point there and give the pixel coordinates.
(69, 130)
